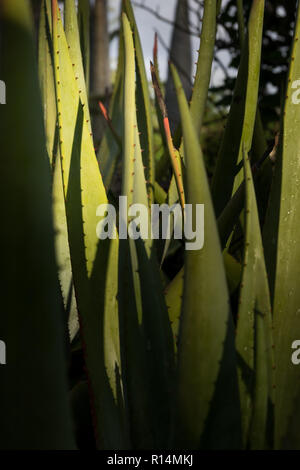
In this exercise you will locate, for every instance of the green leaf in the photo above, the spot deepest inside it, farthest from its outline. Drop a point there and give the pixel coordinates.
(206, 345)
(259, 144)
(204, 64)
(84, 31)
(241, 119)
(73, 40)
(285, 236)
(34, 406)
(254, 330)
(174, 290)
(109, 150)
(94, 262)
(144, 112)
(46, 75)
(233, 271)
(241, 21)
(173, 294)
(159, 193)
(62, 250)
(157, 106)
(146, 333)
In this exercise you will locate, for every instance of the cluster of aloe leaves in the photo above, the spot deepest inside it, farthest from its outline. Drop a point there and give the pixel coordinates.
(200, 361)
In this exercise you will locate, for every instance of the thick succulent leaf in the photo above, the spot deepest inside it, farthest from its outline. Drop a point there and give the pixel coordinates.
(160, 194)
(147, 346)
(206, 327)
(109, 150)
(285, 213)
(62, 250)
(46, 76)
(173, 294)
(84, 32)
(204, 64)
(162, 245)
(254, 330)
(144, 112)
(34, 405)
(241, 21)
(241, 119)
(94, 262)
(233, 271)
(47, 83)
(259, 144)
(263, 181)
(174, 290)
(73, 40)
(173, 153)
(160, 85)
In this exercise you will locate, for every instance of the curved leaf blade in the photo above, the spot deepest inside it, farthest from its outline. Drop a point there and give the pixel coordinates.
(94, 261)
(205, 325)
(286, 294)
(34, 406)
(241, 119)
(254, 330)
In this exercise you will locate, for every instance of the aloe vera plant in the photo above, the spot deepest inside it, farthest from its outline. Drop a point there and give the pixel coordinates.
(176, 348)
(33, 382)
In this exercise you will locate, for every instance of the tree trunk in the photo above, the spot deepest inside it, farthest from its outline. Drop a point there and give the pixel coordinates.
(100, 44)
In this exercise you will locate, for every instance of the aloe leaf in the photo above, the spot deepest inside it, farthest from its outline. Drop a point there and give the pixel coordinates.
(233, 271)
(285, 213)
(109, 150)
(160, 194)
(73, 40)
(259, 144)
(94, 262)
(62, 250)
(175, 159)
(206, 327)
(173, 295)
(144, 112)
(241, 21)
(160, 86)
(173, 153)
(163, 246)
(34, 406)
(204, 64)
(163, 164)
(254, 330)
(226, 223)
(84, 32)
(263, 181)
(46, 75)
(241, 119)
(146, 333)
(174, 290)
